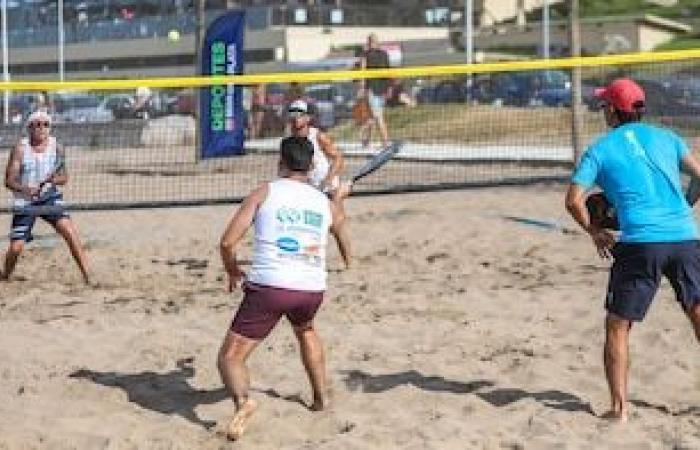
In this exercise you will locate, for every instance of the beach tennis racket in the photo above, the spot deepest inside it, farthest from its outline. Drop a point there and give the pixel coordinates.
(46, 188)
(692, 194)
(377, 161)
(601, 212)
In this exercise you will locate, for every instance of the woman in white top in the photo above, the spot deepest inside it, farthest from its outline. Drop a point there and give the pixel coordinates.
(292, 220)
(35, 171)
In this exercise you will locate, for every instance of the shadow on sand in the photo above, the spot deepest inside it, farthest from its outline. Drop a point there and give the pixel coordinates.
(168, 393)
(484, 389)
(689, 411)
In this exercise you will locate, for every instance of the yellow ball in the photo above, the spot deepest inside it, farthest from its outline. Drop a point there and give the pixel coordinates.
(173, 35)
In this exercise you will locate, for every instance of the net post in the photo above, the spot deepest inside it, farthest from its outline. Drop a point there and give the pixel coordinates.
(199, 46)
(576, 97)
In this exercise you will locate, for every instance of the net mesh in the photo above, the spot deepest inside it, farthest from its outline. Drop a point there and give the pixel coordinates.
(457, 130)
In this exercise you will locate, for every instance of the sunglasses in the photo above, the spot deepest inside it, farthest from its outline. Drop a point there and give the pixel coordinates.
(296, 112)
(40, 125)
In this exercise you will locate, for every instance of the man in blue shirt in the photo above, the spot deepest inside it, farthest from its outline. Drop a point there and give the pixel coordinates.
(638, 168)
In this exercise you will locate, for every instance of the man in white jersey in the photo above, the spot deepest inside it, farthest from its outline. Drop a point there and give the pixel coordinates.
(34, 175)
(328, 162)
(288, 275)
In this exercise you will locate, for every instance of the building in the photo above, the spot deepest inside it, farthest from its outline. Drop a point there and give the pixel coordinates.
(129, 38)
(600, 35)
(125, 38)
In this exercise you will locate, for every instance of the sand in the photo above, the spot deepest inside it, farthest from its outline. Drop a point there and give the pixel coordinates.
(455, 329)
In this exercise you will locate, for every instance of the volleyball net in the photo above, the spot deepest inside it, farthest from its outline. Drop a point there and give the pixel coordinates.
(133, 143)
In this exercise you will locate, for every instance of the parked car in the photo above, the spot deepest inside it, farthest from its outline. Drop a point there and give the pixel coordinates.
(443, 91)
(331, 102)
(19, 107)
(531, 88)
(184, 102)
(121, 105)
(684, 95)
(81, 108)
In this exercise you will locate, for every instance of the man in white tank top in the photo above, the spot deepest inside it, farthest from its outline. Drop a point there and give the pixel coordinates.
(292, 220)
(35, 171)
(328, 162)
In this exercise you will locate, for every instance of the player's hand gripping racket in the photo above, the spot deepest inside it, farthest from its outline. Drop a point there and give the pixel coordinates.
(603, 215)
(692, 194)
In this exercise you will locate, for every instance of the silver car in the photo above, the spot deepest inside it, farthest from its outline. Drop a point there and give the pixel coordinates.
(81, 108)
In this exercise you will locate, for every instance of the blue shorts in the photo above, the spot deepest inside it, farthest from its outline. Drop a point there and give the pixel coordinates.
(23, 221)
(637, 270)
(376, 104)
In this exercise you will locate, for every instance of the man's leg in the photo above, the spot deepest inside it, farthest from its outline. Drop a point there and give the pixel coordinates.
(13, 251)
(20, 232)
(381, 123)
(366, 132)
(313, 358)
(377, 107)
(65, 227)
(233, 354)
(616, 360)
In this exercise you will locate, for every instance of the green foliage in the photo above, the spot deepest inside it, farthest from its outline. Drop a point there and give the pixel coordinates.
(595, 8)
(683, 43)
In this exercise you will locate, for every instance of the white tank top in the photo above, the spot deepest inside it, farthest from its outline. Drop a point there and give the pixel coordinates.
(35, 167)
(291, 232)
(321, 164)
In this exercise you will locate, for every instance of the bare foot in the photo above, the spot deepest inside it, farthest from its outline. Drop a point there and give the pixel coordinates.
(238, 424)
(615, 416)
(321, 402)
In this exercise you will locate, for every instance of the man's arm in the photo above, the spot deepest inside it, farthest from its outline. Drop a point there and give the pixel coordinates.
(576, 205)
(235, 231)
(335, 158)
(340, 233)
(12, 174)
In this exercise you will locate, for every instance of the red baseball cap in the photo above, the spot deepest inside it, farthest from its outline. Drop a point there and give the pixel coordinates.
(623, 94)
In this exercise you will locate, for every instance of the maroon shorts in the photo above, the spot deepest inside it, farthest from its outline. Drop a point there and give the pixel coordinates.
(262, 307)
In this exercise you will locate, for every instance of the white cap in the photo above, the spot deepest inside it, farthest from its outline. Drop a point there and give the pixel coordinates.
(298, 106)
(39, 115)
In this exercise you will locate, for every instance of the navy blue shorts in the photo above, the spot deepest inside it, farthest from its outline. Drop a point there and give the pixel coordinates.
(23, 221)
(636, 273)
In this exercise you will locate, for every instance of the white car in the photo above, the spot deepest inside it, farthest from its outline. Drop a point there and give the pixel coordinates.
(81, 108)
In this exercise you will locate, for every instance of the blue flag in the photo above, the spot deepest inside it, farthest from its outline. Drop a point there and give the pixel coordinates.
(221, 107)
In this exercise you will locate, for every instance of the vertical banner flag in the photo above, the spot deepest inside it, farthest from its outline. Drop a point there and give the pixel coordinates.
(221, 106)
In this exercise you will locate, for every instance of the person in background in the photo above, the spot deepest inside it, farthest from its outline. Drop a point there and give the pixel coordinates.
(374, 90)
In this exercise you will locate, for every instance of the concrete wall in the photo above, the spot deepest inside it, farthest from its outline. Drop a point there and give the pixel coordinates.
(290, 44)
(649, 37)
(496, 11)
(312, 43)
(129, 48)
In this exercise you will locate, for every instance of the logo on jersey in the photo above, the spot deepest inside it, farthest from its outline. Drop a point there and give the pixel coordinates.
(288, 216)
(313, 218)
(288, 244)
(291, 216)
